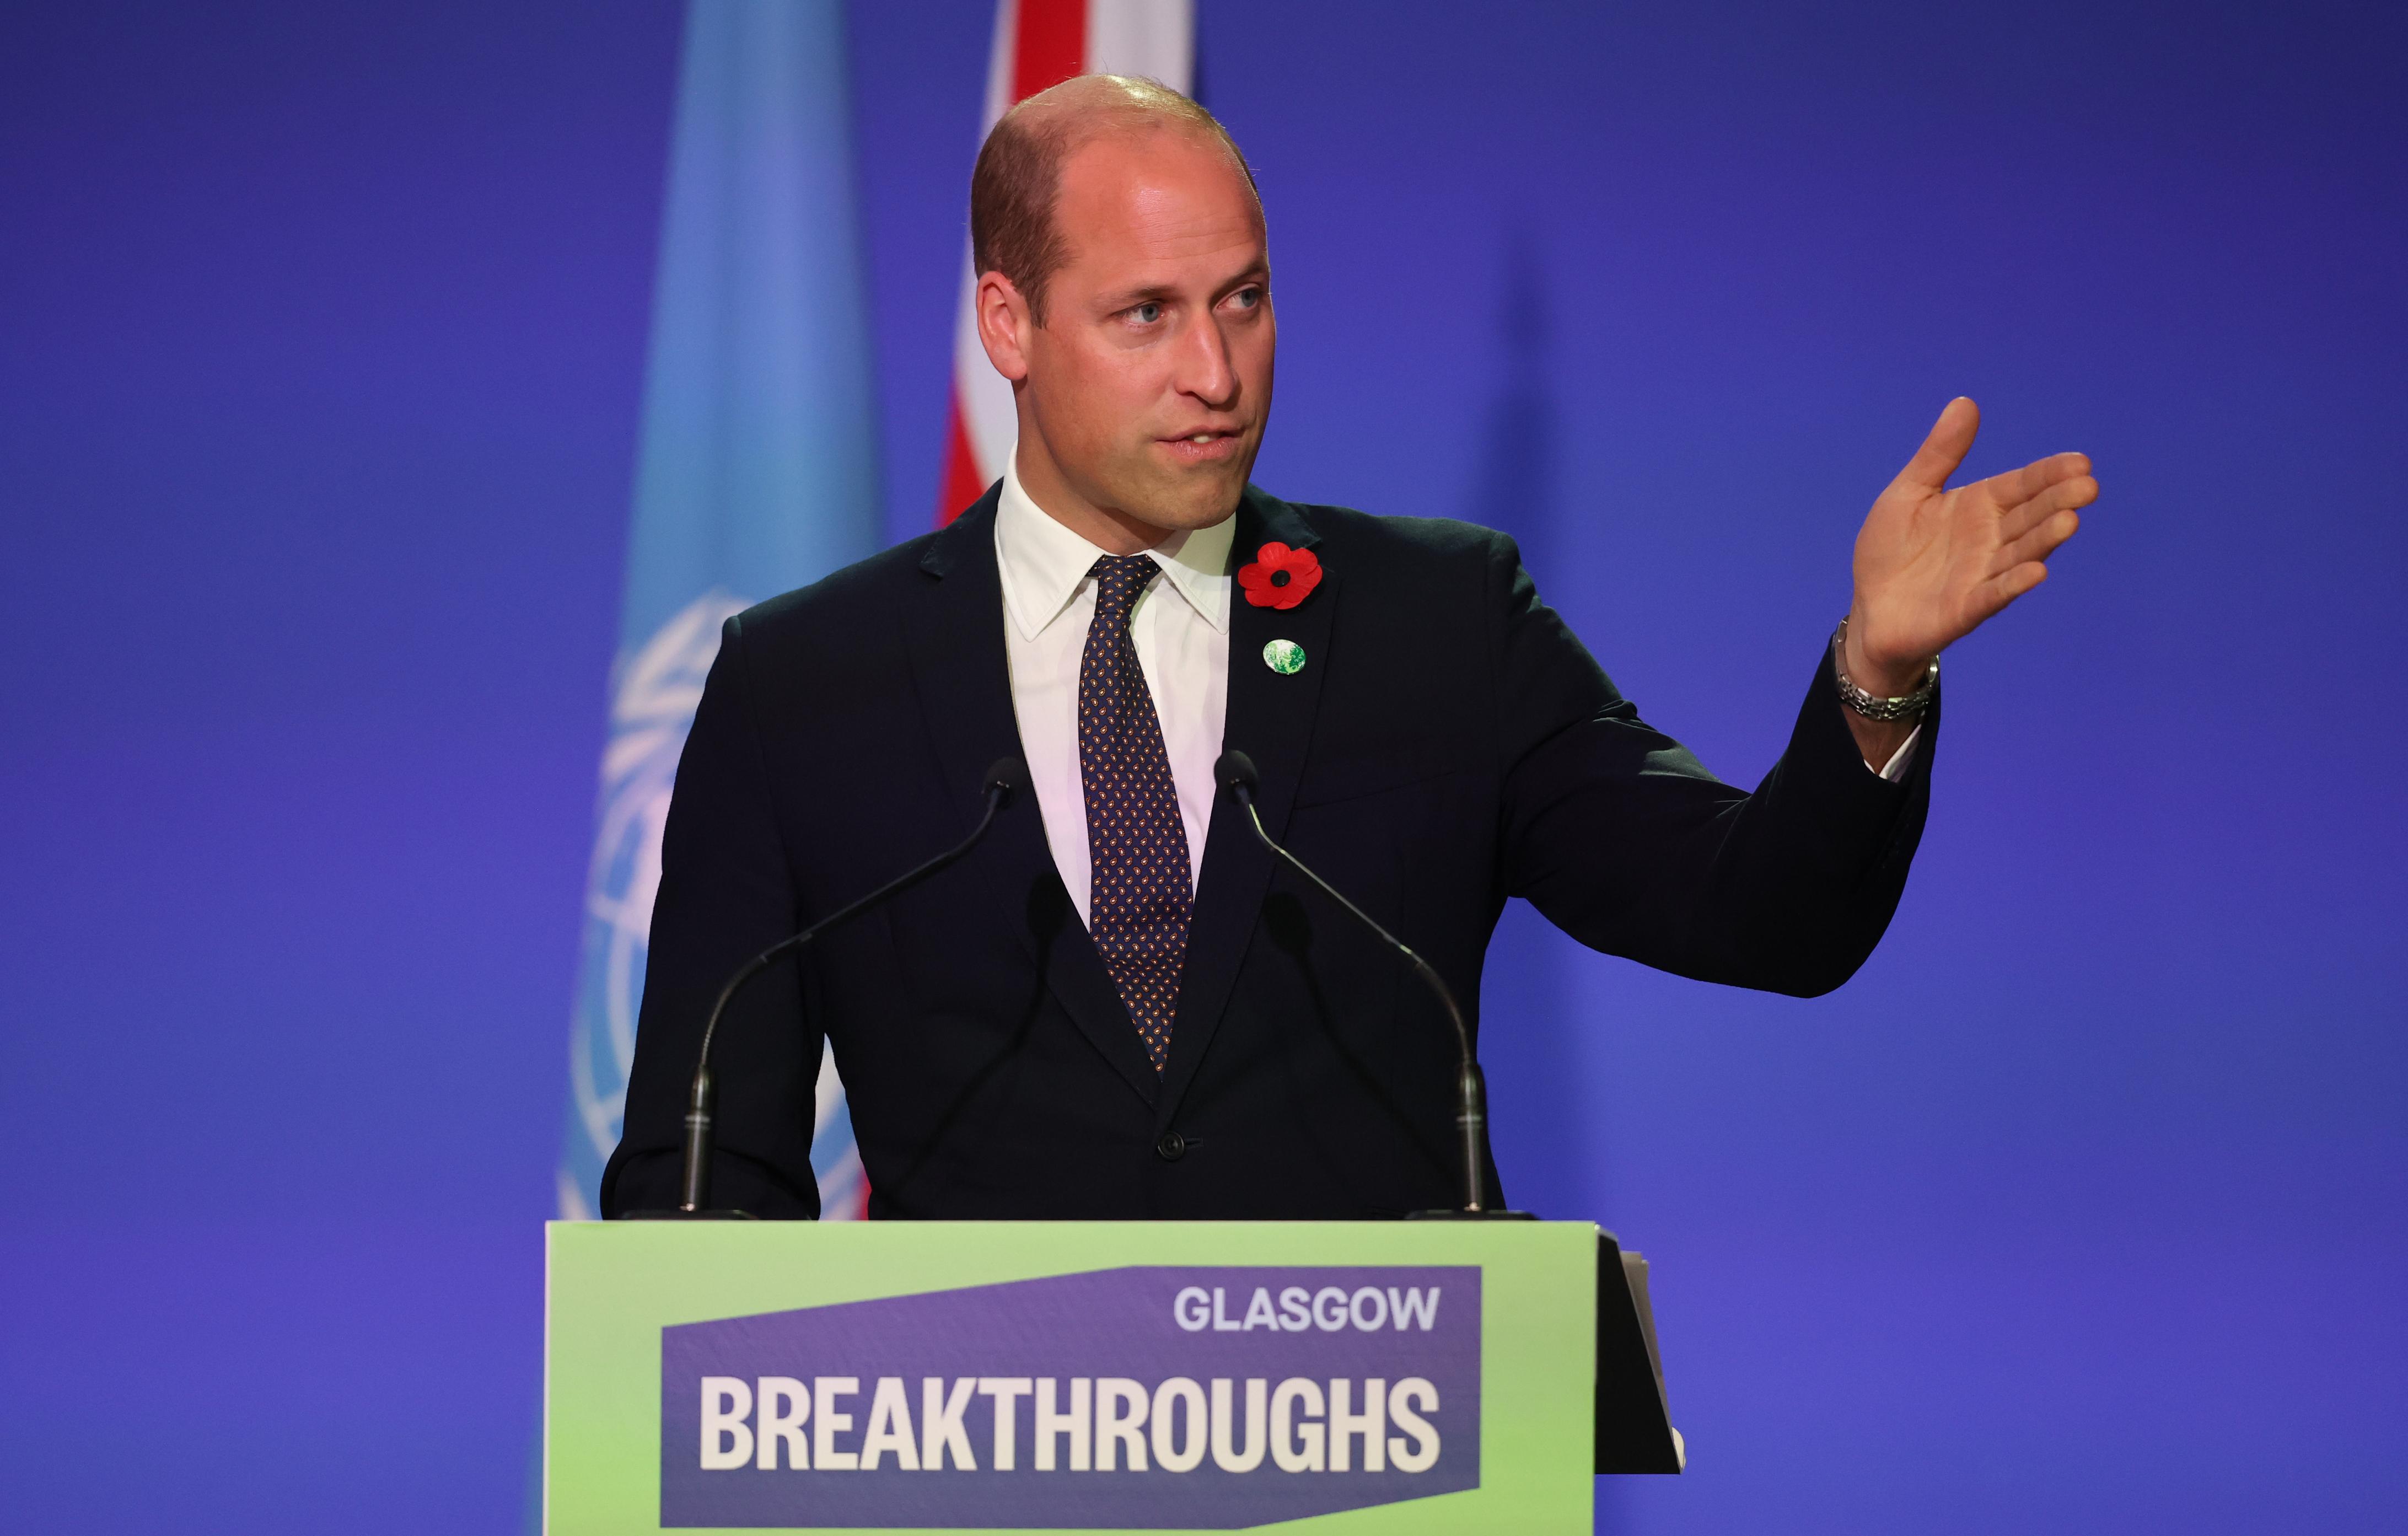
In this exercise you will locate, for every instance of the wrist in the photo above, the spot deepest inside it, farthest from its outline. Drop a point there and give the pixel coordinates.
(1880, 675)
(1886, 700)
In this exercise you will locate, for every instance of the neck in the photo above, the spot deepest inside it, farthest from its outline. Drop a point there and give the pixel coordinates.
(1109, 528)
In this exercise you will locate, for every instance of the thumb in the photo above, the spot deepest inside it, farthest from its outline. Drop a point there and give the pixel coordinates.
(1951, 439)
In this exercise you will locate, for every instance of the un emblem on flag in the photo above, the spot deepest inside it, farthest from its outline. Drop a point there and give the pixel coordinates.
(653, 693)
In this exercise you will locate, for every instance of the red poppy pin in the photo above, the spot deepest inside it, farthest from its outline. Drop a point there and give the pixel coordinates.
(1280, 577)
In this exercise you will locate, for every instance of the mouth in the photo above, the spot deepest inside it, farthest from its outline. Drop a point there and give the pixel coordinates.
(1210, 446)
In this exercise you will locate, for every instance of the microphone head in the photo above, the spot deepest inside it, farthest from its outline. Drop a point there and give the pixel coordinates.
(1234, 773)
(1006, 777)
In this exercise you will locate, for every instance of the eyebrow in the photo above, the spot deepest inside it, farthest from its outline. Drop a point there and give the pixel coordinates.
(1130, 298)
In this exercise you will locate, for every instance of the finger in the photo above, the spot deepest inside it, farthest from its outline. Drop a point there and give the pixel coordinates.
(2008, 585)
(2066, 495)
(1944, 448)
(2018, 486)
(2039, 544)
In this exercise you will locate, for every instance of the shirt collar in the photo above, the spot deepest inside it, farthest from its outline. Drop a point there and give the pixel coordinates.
(1043, 564)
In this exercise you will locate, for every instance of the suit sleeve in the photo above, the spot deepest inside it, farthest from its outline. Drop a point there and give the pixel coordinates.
(1626, 843)
(726, 894)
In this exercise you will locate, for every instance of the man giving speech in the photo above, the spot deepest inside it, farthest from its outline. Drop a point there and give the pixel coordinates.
(1116, 1006)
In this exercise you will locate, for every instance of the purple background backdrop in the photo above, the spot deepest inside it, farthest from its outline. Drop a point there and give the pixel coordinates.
(320, 338)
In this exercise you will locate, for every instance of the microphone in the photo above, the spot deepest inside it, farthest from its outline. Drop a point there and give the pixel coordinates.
(1005, 777)
(1234, 773)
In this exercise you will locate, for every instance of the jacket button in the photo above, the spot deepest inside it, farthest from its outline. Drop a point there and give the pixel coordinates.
(1172, 1147)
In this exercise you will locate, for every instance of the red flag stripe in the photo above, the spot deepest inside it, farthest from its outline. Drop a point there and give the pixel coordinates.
(1049, 46)
(962, 482)
(1052, 45)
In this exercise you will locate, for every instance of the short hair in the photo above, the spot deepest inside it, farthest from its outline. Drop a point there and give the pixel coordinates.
(1018, 180)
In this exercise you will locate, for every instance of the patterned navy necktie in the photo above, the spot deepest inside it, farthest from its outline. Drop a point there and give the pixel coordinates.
(1138, 902)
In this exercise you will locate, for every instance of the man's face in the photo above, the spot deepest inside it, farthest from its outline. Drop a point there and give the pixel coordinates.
(1150, 381)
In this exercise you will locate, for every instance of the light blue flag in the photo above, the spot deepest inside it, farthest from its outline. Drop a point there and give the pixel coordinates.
(757, 474)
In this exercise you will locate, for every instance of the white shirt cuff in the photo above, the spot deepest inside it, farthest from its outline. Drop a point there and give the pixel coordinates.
(1901, 760)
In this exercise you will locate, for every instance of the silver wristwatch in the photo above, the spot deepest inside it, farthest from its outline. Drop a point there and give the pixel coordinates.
(1866, 704)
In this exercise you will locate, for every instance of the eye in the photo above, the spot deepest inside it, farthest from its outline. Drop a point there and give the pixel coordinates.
(1247, 298)
(1146, 313)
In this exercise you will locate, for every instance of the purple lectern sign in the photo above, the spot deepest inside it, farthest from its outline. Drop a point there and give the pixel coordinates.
(1140, 1397)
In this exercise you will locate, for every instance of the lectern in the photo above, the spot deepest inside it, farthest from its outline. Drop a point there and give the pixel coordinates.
(1393, 1376)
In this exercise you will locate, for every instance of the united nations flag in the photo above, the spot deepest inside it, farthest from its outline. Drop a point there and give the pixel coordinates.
(757, 473)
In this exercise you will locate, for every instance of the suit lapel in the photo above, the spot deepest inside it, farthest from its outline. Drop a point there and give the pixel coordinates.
(959, 673)
(1270, 720)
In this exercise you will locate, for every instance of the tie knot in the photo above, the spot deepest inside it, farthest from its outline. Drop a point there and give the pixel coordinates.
(1119, 579)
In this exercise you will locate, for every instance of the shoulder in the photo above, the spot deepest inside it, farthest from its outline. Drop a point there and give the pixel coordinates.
(863, 585)
(1404, 540)
(1412, 557)
(857, 606)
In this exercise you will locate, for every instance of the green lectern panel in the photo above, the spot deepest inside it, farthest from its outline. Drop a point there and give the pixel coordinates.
(1363, 1377)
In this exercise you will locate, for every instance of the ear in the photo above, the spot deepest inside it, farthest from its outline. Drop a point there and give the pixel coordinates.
(1004, 325)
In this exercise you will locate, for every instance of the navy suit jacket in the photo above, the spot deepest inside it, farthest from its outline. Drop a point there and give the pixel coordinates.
(1448, 744)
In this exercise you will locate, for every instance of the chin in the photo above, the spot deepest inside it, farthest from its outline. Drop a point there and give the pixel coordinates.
(1202, 503)
(1187, 504)
(1203, 514)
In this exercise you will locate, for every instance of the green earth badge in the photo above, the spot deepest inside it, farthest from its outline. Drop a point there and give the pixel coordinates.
(1284, 657)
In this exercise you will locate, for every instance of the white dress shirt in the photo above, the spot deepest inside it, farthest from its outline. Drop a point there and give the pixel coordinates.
(1181, 625)
(1901, 760)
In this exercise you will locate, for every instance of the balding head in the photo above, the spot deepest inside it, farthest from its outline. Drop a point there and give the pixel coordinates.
(1016, 188)
(1142, 384)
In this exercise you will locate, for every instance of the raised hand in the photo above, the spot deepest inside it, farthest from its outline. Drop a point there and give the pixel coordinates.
(1932, 564)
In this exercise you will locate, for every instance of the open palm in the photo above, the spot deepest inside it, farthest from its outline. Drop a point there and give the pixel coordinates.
(1932, 563)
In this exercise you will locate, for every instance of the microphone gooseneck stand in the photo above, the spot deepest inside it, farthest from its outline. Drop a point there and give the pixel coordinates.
(1005, 777)
(1236, 773)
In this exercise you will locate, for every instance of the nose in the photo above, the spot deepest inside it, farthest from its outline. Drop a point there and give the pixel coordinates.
(1204, 368)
